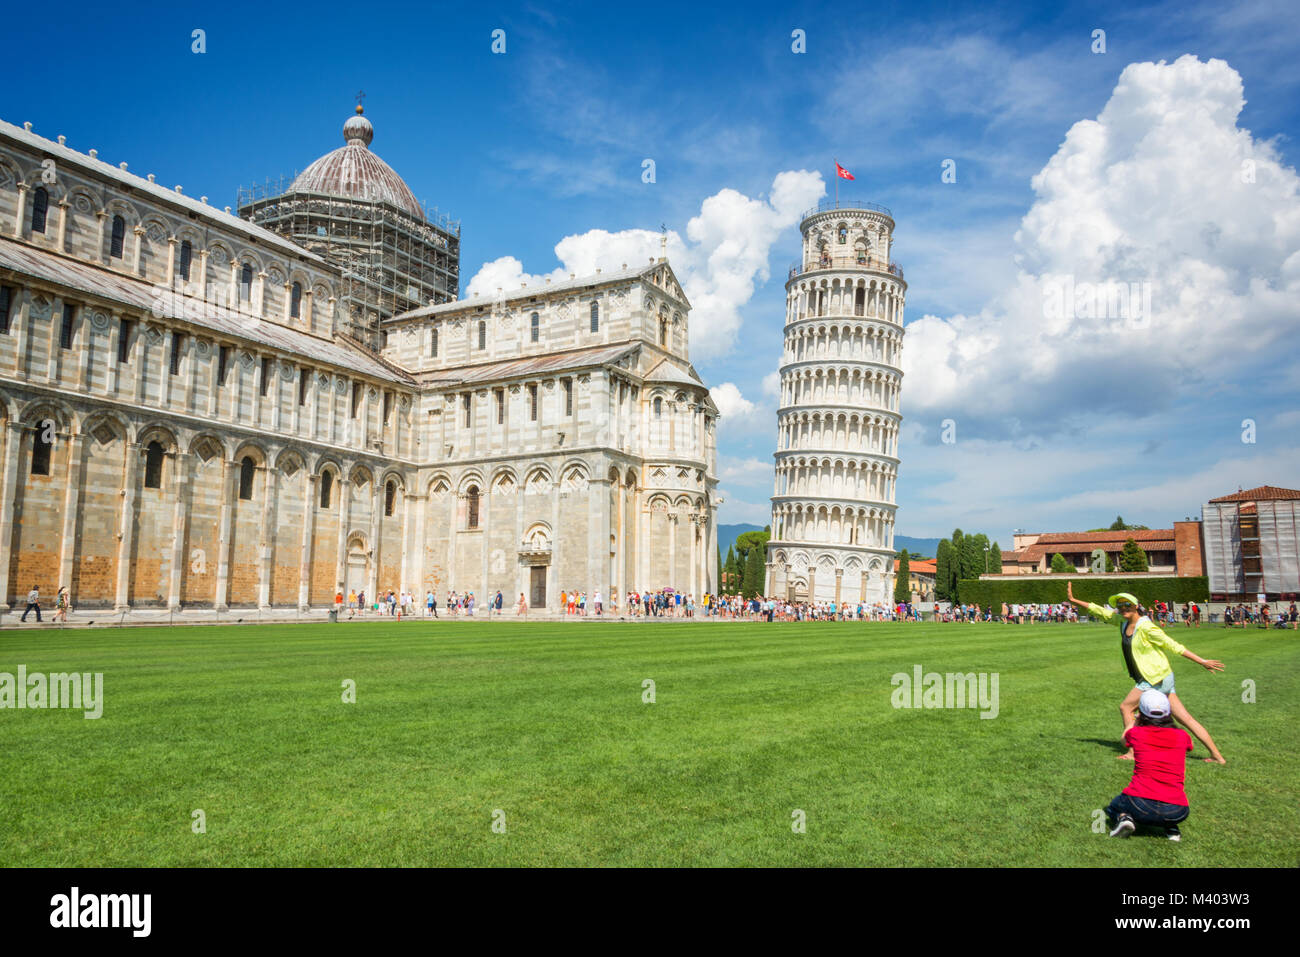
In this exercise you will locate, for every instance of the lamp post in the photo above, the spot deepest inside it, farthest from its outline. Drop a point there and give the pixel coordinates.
(986, 559)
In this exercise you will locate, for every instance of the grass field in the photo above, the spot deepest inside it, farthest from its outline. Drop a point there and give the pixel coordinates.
(546, 722)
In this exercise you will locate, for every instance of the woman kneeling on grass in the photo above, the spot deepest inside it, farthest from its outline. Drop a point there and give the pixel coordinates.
(1143, 643)
(1155, 797)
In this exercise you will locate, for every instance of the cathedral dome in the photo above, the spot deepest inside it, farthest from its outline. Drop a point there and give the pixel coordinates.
(357, 173)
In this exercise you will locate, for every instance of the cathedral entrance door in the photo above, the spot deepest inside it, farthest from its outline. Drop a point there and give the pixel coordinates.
(357, 576)
(537, 585)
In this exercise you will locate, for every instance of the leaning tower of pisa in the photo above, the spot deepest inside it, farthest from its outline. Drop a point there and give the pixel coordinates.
(837, 425)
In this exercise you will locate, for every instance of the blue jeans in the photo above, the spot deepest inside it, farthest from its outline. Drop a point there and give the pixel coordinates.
(1148, 812)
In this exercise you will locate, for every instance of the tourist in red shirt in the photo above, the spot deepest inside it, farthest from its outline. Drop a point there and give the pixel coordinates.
(1155, 797)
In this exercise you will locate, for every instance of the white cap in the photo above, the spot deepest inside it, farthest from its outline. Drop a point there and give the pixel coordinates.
(1154, 704)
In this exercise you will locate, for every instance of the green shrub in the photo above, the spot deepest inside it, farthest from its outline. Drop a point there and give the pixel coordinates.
(1038, 591)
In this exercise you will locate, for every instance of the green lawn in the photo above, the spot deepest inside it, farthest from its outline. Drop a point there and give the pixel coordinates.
(546, 722)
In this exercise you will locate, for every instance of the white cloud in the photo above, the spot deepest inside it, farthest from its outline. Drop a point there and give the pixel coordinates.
(724, 255)
(748, 472)
(772, 385)
(1152, 193)
(730, 402)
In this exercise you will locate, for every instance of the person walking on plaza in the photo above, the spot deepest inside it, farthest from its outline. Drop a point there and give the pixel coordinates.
(522, 609)
(33, 604)
(496, 603)
(1144, 644)
(61, 605)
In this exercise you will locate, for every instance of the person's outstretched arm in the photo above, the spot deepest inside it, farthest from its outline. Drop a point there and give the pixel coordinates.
(1100, 611)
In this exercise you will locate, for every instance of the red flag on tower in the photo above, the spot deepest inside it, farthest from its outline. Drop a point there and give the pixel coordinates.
(842, 173)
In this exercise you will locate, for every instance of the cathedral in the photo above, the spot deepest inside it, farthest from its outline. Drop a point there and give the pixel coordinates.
(259, 408)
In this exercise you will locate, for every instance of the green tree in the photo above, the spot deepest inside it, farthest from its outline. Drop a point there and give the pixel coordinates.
(1118, 525)
(731, 569)
(942, 569)
(1133, 559)
(755, 573)
(903, 578)
(746, 541)
(972, 555)
(1061, 565)
(955, 563)
(995, 559)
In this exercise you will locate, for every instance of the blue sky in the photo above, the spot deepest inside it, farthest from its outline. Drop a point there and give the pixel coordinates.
(1057, 426)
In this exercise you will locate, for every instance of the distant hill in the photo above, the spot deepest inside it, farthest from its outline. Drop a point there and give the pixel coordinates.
(727, 535)
(916, 546)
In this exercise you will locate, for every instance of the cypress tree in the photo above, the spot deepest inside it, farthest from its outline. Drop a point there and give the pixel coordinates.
(995, 559)
(755, 573)
(902, 579)
(942, 570)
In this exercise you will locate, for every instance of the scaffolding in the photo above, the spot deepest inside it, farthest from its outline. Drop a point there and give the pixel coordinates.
(1251, 549)
(391, 261)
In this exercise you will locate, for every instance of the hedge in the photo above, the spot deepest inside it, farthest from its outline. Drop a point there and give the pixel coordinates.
(1051, 591)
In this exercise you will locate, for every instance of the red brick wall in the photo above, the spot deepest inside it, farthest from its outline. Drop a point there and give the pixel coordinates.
(1189, 550)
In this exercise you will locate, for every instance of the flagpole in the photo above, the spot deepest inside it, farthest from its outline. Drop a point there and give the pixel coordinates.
(837, 181)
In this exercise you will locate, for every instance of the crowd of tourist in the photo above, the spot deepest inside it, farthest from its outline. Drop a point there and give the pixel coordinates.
(668, 603)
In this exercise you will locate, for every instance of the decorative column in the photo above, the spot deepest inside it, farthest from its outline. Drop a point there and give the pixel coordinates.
(229, 475)
(266, 547)
(20, 216)
(13, 440)
(345, 508)
(64, 206)
(71, 509)
(137, 258)
(130, 491)
(180, 512)
(172, 243)
(620, 558)
(310, 493)
(376, 503)
(672, 549)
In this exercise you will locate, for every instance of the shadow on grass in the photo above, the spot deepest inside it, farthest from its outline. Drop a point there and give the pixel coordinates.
(1110, 744)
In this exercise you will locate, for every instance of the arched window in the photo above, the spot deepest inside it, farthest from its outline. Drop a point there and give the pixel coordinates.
(119, 237)
(471, 511)
(482, 333)
(187, 253)
(42, 445)
(535, 327)
(40, 206)
(433, 349)
(663, 332)
(247, 468)
(844, 235)
(595, 316)
(153, 464)
(390, 497)
(295, 301)
(246, 283)
(659, 406)
(326, 487)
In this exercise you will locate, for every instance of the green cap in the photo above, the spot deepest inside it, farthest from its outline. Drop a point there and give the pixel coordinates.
(1114, 600)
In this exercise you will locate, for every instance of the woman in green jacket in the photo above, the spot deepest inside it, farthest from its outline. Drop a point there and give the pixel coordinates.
(1144, 644)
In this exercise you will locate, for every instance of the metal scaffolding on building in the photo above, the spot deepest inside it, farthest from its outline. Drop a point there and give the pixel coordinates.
(391, 261)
